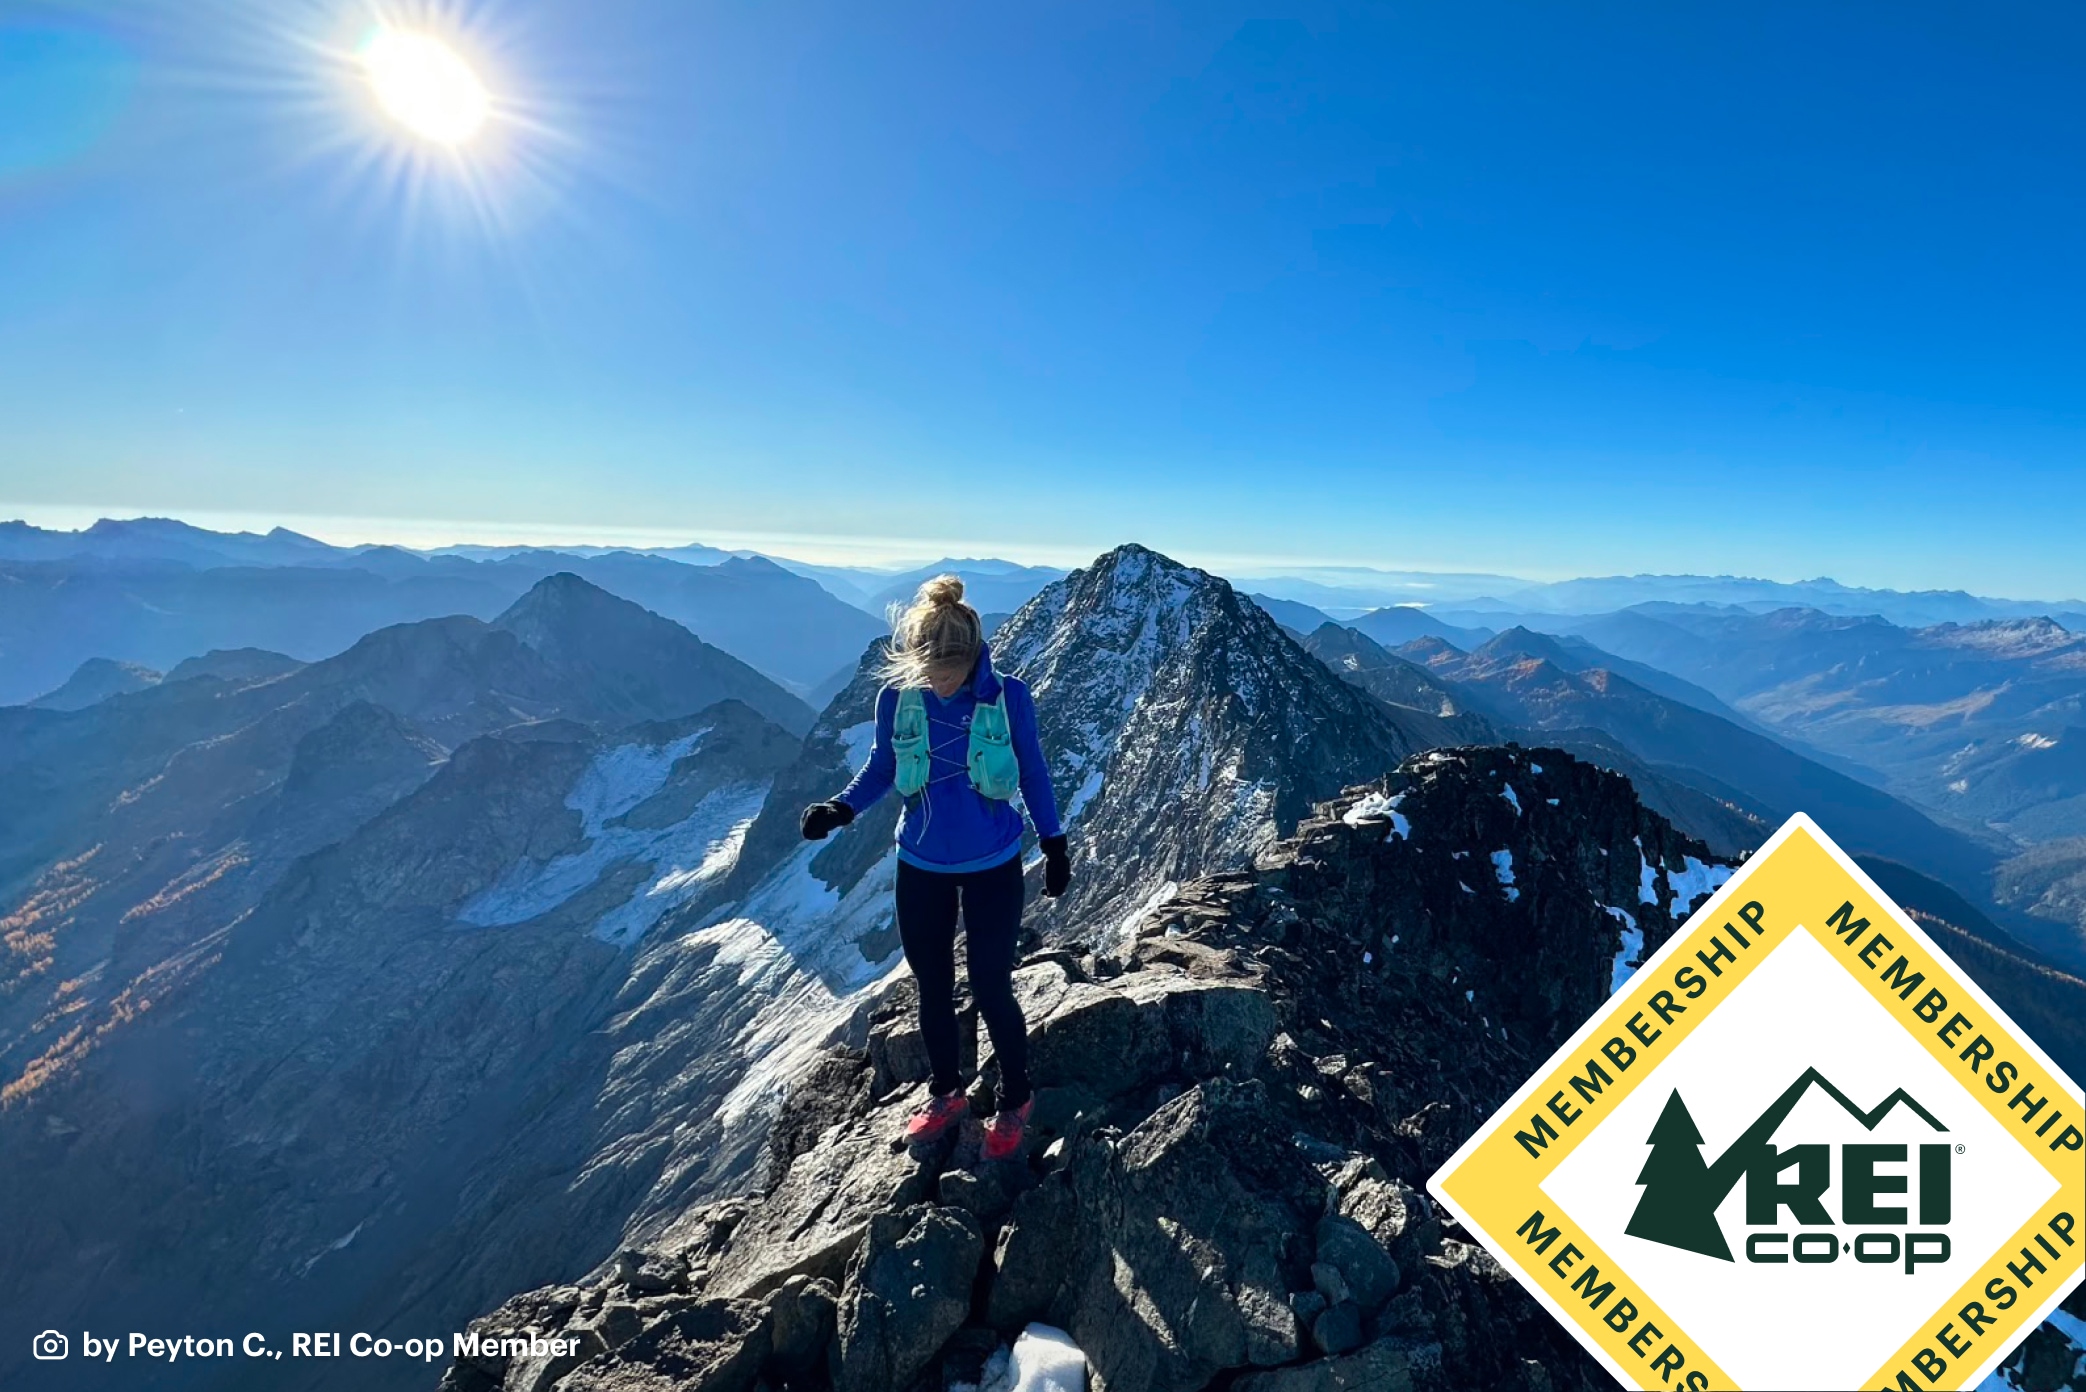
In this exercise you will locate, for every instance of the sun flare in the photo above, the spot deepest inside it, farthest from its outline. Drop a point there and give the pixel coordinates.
(423, 85)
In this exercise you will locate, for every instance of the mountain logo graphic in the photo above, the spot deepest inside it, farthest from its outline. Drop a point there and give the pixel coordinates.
(1682, 1190)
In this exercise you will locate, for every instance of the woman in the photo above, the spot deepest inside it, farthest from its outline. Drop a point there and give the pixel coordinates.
(958, 740)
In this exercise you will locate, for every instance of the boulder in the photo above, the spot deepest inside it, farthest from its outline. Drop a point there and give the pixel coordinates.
(813, 1220)
(1034, 1254)
(802, 1312)
(1140, 1029)
(1188, 1249)
(908, 1289)
(650, 1273)
(1371, 1275)
(984, 1192)
(1384, 1366)
(591, 1333)
(1392, 1212)
(711, 1346)
(1339, 1328)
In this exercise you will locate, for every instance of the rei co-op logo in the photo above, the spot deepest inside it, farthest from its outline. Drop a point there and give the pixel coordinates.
(1682, 1190)
(1798, 1148)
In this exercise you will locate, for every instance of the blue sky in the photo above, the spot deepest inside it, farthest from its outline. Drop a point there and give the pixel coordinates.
(1546, 289)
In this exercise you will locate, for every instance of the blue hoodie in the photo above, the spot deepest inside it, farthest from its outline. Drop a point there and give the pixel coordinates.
(949, 825)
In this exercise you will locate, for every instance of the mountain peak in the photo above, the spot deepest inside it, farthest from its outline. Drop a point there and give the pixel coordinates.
(1185, 729)
(563, 598)
(638, 665)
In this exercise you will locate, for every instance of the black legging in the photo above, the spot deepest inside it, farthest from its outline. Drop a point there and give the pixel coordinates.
(991, 904)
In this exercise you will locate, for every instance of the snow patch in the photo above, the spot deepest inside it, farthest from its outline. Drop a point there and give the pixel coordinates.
(1084, 794)
(1694, 881)
(1127, 929)
(1632, 948)
(1506, 790)
(680, 858)
(1503, 868)
(795, 942)
(2032, 740)
(1377, 808)
(859, 740)
(337, 1245)
(1043, 1359)
(1647, 889)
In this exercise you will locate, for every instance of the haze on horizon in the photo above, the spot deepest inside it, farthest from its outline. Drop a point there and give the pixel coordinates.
(1770, 292)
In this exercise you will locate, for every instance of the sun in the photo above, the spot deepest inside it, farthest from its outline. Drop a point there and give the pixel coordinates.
(423, 85)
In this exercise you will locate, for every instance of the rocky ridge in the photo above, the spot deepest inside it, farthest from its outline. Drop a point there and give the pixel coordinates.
(1239, 1104)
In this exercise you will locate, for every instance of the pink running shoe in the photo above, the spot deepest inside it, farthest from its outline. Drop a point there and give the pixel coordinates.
(1003, 1133)
(936, 1115)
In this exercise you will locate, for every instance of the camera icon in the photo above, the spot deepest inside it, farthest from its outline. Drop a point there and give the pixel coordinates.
(50, 1345)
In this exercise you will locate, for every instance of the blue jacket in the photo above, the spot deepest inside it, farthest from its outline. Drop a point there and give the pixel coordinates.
(949, 825)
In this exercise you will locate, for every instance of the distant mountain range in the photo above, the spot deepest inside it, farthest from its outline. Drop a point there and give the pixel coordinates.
(1971, 709)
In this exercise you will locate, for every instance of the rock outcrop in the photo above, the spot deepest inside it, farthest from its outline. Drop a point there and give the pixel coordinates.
(1237, 1108)
(1238, 1105)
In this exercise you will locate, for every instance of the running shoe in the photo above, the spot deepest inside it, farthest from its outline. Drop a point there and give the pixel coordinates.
(1004, 1132)
(936, 1115)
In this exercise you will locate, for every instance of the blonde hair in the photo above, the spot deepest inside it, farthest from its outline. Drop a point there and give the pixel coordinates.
(936, 631)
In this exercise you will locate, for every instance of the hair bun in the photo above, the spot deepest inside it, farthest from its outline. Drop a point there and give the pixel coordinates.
(943, 590)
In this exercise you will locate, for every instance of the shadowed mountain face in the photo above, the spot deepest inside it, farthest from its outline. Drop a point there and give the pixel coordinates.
(1401, 624)
(1394, 681)
(94, 680)
(1972, 720)
(157, 612)
(132, 830)
(1518, 682)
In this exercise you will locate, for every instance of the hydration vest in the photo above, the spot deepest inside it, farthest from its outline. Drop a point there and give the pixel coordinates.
(994, 769)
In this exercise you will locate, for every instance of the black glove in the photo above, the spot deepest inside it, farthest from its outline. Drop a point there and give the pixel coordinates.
(1057, 866)
(823, 817)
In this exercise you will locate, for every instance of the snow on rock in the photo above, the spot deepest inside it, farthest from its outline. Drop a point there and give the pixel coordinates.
(2074, 1329)
(1647, 877)
(1632, 947)
(1376, 808)
(1694, 880)
(858, 740)
(1043, 1359)
(1089, 788)
(680, 857)
(1126, 931)
(1503, 868)
(796, 944)
(1506, 790)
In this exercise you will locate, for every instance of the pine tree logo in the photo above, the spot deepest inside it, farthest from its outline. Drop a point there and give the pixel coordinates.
(1682, 1190)
(1679, 1206)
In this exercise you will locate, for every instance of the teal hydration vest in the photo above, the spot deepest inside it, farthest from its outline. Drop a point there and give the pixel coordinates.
(995, 771)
